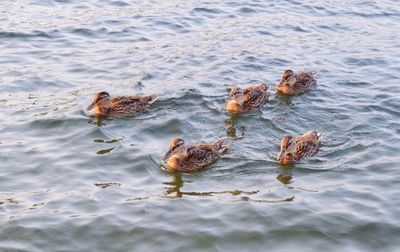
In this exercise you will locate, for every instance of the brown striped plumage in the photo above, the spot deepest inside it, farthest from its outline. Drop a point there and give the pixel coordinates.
(186, 159)
(295, 83)
(296, 148)
(247, 99)
(121, 106)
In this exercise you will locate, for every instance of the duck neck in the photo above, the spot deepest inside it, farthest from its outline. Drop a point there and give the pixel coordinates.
(174, 163)
(234, 107)
(102, 110)
(286, 89)
(287, 159)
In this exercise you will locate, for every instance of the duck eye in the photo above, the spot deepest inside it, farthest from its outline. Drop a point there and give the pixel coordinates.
(100, 98)
(177, 145)
(236, 91)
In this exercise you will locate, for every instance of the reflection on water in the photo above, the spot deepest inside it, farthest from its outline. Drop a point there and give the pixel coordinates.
(289, 199)
(174, 190)
(11, 201)
(175, 186)
(105, 185)
(285, 175)
(110, 141)
(104, 151)
(107, 141)
(232, 127)
(98, 121)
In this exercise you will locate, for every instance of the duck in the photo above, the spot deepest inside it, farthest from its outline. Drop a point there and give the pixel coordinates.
(247, 99)
(181, 158)
(296, 148)
(104, 105)
(295, 83)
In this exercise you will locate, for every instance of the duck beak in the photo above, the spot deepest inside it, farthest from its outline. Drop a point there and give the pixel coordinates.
(238, 102)
(285, 158)
(279, 157)
(90, 107)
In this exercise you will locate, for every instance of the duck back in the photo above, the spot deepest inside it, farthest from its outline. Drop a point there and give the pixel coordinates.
(122, 106)
(307, 145)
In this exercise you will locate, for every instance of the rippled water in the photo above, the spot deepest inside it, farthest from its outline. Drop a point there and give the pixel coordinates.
(72, 183)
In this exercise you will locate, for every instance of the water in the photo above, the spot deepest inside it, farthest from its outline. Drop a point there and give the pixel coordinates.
(72, 183)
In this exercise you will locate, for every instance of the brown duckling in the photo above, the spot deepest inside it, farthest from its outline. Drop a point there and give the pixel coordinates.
(247, 99)
(120, 106)
(296, 148)
(186, 159)
(295, 83)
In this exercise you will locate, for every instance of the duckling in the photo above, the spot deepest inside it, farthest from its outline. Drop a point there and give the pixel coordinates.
(187, 159)
(295, 83)
(295, 148)
(247, 99)
(120, 106)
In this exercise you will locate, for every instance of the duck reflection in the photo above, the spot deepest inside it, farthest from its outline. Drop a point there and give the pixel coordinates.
(285, 175)
(284, 99)
(98, 121)
(232, 127)
(107, 150)
(174, 189)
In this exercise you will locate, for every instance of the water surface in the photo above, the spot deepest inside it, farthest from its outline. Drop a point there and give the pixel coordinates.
(72, 183)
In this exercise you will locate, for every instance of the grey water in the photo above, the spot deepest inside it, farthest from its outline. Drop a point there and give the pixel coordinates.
(70, 182)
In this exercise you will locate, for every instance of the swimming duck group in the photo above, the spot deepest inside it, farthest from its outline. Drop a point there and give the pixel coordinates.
(182, 158)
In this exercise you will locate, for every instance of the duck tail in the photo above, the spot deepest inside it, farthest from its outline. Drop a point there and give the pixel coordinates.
(315, 134)
(319, 136)
(314, 75)
(152, 98)
(264, 86)
(221, 145)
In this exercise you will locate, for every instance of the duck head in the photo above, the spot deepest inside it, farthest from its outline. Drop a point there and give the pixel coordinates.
(176, 153)
(288, 147)
(101, 101)
(286, 84)
(288, 78)
(235, 103)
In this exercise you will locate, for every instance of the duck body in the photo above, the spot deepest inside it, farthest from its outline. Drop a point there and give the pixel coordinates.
(104, 105)
(293, 149)
(180, 158)
(295, 83)
(247, 99)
